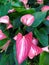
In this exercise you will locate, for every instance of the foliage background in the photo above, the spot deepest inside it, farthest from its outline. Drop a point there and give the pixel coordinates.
(40, 29)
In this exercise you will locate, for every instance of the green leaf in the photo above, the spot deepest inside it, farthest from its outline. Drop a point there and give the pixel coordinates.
(11, 59)
(17, 4)
(15, 0)
(28, 11)
(44, 59)
(2, 42)
(42, 36)
(2, 26)
(4, 9)
(47, 29)
(3, 1)
(46, 23)
(17, 23)
(4, 59)
(39, 17)
(29, 29)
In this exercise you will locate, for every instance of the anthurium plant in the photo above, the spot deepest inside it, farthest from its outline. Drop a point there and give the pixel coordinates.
(24, 32)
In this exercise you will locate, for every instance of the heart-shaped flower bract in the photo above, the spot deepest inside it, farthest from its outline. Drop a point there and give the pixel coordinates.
(23, 45)
(27, 19)
(34, 51)
(26, 46)
(5, 20)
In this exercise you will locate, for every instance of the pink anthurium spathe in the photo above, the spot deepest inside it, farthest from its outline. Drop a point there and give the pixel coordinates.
(4, 19)
(2, 35)
(23, 45)
(34, 51)
(47, 18)
(45, 8)
(26, 46)
(27, 19)
(5, 46)
(40, 1)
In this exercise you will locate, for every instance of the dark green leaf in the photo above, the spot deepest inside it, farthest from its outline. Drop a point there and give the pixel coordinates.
(29, 11)
(11, 59)
(17, 4)
(16, 23)
(4, 59)
(47, 29)
(2, 26)
(29, 29)
(2, 42)
(42, 36)
(44, 59)
(46, 23)
(39, 17)
(4, 9)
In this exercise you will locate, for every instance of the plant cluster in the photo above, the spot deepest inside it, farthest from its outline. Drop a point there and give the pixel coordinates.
(24, 32)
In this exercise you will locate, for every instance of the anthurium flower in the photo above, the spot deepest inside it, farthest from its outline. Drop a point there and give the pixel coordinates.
(27, 19)
(40, 1)
(5, 46)
(23, 45)
(34, 51)
(47, 18)
(2, 35)
(26, 46)
(4, 19)
(45, 8)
